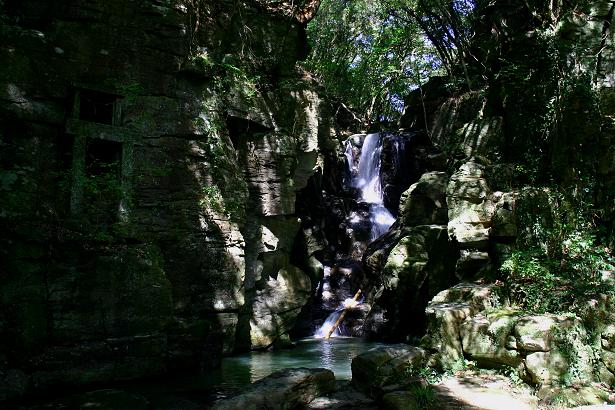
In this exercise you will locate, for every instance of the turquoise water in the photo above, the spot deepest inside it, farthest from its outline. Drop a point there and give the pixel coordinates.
(236, 372)
(334, 354)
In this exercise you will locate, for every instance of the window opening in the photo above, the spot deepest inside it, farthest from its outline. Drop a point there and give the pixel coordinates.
(95, 106)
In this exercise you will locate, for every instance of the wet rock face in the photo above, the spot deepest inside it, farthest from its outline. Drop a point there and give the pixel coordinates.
(165, 262)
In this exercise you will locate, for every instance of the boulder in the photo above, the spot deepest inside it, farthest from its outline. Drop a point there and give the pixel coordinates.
(443, 320)
(344, 398)
(379, 367)
(470, 207)
(277, 305)
(447, 311)
(540, 332)
(487, 339)
(558, 350)
(281, 390)
(402, 400)
(608, 337)
(608, 358)
(605, 375)
(424, 203)
(478, 296)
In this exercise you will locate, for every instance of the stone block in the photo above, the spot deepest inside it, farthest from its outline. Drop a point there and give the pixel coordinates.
(284, 389)
(485, 339)
(277, 305)
(424, 203)
(382, 366)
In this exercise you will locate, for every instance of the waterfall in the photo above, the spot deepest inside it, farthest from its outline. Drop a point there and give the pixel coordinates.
(368, 182)
(324, 330)
(366, 220)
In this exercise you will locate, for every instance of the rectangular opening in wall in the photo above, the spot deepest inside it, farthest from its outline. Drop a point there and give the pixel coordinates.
(102, 185)
(95, 106)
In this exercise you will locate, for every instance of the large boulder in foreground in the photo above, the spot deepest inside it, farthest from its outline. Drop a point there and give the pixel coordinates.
(284, 389)
(383, 366)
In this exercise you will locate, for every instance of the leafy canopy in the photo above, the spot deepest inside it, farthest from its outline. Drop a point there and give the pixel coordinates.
(369, 55)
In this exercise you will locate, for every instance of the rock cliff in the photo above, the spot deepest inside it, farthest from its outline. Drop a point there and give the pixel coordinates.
(150, 157)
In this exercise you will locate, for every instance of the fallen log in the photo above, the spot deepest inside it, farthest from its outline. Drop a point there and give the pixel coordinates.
(339, 319)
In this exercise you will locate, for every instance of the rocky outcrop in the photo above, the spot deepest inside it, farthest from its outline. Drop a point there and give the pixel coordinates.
(148, 211)
(445, 314)
(470, 207)
(284, 389)
(377, 368)
(424, 203)
(418, 267)
(472, 322)
(276, 307)
(413, 262)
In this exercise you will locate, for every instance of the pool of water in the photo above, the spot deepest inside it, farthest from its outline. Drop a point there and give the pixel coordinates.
(236, 372)
(334, 354)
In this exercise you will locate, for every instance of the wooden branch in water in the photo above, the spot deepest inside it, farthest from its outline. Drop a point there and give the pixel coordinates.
(339, 319)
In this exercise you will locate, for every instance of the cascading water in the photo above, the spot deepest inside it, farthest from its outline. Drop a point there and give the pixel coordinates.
(368, 182)
(366, 178)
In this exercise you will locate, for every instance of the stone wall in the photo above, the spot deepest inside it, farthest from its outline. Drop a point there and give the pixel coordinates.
(150, 154)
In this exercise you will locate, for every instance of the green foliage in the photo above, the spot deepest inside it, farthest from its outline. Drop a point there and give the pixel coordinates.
(238, 78)
(512, 374)
(225, 194)
(202, 61)
(130, 90)
(423, 395)
(430, 375)
(559, 261)
(368, 57)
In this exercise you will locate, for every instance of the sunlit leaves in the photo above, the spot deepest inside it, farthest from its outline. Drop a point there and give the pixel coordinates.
(368, 57)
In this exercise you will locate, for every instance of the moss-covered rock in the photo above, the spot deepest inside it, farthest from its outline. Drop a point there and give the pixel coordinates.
(379, 367)
(487, 339)
(424, 203)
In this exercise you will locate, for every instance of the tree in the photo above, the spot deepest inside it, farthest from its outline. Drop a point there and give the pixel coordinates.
(368, 57)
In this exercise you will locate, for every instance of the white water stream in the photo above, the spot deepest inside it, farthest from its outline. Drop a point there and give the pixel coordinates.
(367, 181)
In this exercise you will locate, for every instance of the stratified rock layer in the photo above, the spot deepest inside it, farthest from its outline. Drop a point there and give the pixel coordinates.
(148, 207)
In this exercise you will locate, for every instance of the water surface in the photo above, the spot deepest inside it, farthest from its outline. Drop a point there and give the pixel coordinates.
(334, 354)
